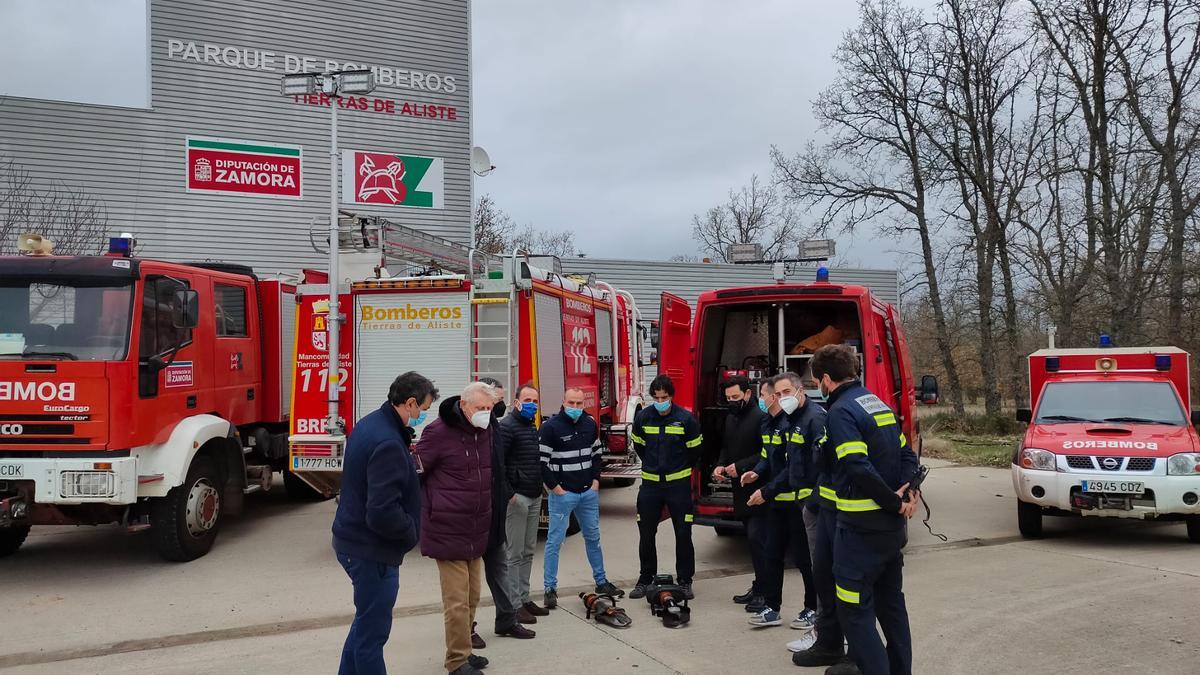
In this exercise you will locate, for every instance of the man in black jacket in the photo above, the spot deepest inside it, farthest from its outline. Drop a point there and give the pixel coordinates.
(522, 466)
(740, 448)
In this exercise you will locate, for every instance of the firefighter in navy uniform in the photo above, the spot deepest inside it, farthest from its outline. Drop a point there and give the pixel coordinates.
(667, 438)
(872, 467)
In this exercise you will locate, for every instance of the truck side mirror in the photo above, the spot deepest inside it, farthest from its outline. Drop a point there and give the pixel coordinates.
(928, 392)
(1024, 415)
(1195, 417)
(186, 308)
(654, 334)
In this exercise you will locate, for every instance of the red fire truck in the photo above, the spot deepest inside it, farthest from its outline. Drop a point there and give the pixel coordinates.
(139, 392)
(760, 331)
(1110, 434)
(456, 316)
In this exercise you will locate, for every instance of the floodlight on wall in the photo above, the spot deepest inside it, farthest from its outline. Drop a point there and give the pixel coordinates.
(300, 84)
(355, 81)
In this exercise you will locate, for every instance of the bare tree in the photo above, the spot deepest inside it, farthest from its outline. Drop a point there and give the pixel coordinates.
(755, 214)
(496, 233)
(544, 242)
(74, 220)
(877, 166)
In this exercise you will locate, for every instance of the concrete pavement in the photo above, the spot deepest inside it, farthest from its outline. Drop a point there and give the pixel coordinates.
(1093, 597)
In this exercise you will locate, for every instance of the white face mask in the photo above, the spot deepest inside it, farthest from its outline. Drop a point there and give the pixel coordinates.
(789, 404)
(482, 419)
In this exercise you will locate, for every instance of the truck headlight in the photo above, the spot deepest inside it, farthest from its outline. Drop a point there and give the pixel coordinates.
(1184, 464)
(1038, 459)
(81, 484)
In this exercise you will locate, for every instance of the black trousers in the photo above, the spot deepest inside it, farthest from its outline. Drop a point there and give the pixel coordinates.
(756, 536)
(868, 578)
(495, 570)
(829, 629)
(676, 496)
(785, 535)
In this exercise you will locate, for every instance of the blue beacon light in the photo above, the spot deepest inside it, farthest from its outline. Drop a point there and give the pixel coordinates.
(822, 273)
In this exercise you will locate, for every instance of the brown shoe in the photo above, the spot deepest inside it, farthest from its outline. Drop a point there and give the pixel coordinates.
(523, 616)
(518, 631)
(535, 609)
(476, 641)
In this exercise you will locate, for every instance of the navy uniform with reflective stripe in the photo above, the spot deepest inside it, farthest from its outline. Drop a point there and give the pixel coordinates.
(822, 511)
(871, 461)
(669, 446)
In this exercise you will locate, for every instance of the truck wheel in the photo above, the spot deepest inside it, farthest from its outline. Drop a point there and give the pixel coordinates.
(11, 539)
(1029, 520)
(573, 526)
(186, 521)
(1193, 527)
(298, 490)
(727, 530)
(623, 482)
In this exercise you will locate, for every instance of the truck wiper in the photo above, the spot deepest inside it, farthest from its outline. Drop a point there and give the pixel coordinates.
(1137, 420)
(1062, 418)
(58, 355)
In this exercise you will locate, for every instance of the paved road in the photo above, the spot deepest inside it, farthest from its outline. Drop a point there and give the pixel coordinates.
(1094, 597)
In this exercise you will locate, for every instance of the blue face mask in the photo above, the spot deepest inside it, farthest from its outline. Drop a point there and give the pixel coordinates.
(662, 406)
(416, 421)
(574, 413)
(762, 405)
(528, 410)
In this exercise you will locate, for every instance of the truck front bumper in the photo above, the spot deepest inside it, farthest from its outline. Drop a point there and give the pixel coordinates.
(1162, 495)
(68, 481)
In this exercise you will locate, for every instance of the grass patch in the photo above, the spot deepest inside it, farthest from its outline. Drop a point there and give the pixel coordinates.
(971, 450)
(1002, 424)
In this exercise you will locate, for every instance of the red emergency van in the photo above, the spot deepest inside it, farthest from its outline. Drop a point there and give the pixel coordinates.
(760, 331)
(1110, 434)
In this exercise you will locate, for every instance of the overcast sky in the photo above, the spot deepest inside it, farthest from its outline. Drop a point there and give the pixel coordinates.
(618, 119)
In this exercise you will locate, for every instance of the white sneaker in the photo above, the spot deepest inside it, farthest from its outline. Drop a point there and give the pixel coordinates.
(806, 620)
(803, 643)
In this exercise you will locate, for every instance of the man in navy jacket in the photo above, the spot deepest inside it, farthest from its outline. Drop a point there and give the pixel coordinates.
(378, 517)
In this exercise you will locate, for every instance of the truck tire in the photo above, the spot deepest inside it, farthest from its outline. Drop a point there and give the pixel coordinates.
(11, 539)
(623, 482)
(298, 490)
(1029, 520)
(573, 526)
(186, 521)
(1193, 529)
(727, 530)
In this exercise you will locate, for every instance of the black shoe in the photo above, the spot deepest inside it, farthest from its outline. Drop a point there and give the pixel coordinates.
(476, 641)
(843, 668)
(607, 588)
(687, 590)
(466, 669)
(477, 662)
(639, 591)
(817, 655)
(551, 598)
(518, 631)
(744, 598)
(756, 605)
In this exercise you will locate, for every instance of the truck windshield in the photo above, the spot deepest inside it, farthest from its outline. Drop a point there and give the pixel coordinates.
(87, 320)
(1110, 401)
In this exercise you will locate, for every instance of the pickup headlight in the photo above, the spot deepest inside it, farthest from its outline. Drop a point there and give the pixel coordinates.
(1038, 459)
(1184, 464)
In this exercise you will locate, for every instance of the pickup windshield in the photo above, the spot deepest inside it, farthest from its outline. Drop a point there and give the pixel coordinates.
(1110, 401)
(84, 320)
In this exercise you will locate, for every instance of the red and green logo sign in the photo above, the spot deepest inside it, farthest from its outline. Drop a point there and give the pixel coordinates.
(392, 180)
(240, 167)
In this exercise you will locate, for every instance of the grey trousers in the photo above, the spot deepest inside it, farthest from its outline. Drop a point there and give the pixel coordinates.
(521, 528)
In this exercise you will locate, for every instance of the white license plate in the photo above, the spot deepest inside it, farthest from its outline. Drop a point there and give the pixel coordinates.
(1120, 487)
(12, 471)
(316, 464)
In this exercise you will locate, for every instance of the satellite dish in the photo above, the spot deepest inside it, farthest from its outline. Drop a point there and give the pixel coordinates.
(34, 244)
(481, 164)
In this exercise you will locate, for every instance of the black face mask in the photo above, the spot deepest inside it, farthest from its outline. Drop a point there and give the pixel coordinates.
(499, 409)
(736, 406)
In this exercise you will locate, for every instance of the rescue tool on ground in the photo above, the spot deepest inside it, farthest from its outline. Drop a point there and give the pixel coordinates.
(457, 315)
(604, 609)
(1111, 433)
(139, 392)
(760, 331)
(668, 601)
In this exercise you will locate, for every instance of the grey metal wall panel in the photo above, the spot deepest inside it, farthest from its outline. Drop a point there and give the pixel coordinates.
(134, 159)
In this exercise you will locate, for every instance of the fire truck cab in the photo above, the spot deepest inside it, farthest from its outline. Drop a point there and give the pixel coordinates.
(761, 331)
(139, 392)
(1110, 434)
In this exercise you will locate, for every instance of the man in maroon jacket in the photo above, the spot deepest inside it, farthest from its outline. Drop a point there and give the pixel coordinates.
(456, 514)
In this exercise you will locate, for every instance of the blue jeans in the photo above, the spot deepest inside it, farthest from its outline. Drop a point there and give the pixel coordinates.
(586, 507)
(375, 588)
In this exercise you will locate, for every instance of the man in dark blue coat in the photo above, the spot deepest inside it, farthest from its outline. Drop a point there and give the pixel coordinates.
(378, 516)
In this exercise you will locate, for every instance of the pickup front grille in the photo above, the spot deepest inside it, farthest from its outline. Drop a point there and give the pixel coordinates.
(1080, 462)
(1141, 464)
